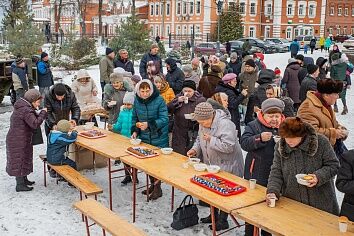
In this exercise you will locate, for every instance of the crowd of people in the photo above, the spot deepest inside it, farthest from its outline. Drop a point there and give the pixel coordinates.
(198, 109)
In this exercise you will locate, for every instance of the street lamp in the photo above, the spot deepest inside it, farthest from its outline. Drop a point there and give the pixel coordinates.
(219, 11)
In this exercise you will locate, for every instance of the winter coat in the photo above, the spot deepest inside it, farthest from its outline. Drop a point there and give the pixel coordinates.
(328, 42)
(143, 64)
(106, 69)
(208, 84)
(308, 84)
(112, 94)
(127, 65)
(152, 110)
(248, 81)
(58, 143)
(194, 77)
(83, 93)
(19, 150)
(236, 67)
(313, 43)
(291, 82)
(44, 74)
(260, 154)
(302, 73)
(223, 149)
(246, 46)
(323, 72)
(289, 106)
(322, 41)
(322, 119)
(345, 184)
(313, 156)
(167, 93)
(294, 47)
(19, 78)
(338, 67)
(174, 76)
(67, 109)
(181, 126)
(124, 122)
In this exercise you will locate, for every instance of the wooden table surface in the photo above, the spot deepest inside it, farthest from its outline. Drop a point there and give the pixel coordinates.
(168, 168)
(112, 146)
(291, 218)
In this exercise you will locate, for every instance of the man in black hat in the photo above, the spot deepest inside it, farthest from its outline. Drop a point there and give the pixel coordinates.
(106, 67)
(310, 81)
(20, 78)
(60, 102)
(44, 74)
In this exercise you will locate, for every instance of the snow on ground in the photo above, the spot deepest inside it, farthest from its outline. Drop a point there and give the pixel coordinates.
(48, 211)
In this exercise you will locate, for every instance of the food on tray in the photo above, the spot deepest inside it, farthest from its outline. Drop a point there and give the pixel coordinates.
(139, 124)
(92, 133)
(343, 219)
(141, 151)
(307, 177)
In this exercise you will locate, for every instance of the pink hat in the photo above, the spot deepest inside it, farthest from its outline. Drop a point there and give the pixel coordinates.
(228, 77)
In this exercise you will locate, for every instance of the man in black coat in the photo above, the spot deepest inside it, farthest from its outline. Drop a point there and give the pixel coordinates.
(151, 56)
(60, 102)
(310, 81)
(235, 64)
(174, 76)
(123, 62)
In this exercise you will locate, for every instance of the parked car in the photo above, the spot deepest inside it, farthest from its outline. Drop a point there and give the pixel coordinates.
(236, 46)
(208, 48)
(305, 40)
(280, 41)
(349, 43)
(265, 47)
(279, 47)
(341, 38)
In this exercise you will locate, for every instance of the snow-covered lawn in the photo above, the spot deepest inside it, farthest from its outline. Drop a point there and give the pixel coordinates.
(48, 211)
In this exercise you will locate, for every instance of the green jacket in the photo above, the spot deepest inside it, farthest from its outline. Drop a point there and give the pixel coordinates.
(106, 69)
(124, 122)
(338, 67)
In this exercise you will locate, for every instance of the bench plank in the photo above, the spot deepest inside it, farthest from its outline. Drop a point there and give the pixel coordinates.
(107, 219)
(75, 178)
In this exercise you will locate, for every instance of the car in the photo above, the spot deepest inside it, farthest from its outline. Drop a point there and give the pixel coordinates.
(281, 42)
(236, 46)
(265, 47)
(341, 38)
(305, 40)
(349, 43)
(279, 47)
(208, 48)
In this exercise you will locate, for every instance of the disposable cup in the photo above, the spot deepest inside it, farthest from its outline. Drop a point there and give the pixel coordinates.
(272, 202)
(253, 183)
(186, 100)
(343, 227)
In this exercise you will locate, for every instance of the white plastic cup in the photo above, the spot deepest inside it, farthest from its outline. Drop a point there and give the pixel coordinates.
(185, 100)
(272, 202)
(185, 165)
(253, 183)
(343, 227)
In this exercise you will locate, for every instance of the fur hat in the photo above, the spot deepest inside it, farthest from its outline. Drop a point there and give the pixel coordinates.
(32, 95)
(329, 86)
(187, 69)
(215, 68)
(154, 45)
(129, 98)
(292, 127)
(311, 68)
(82, 74)
(228, 77)
(272, 105)
(189, 84)
(63, 126)
(108, 51)
(203, 111)
(250, 62)
(136, 78)
(59, 89)
(291, 60)
(116, 77)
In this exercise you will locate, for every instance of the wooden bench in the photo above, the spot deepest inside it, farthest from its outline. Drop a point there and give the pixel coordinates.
(106, 219)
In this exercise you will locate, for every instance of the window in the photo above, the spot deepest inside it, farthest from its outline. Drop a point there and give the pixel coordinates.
(178, 29)
(268, 9)
(331, 11)
(301, 10)
(191, 8)
(184, 11)
(168, 29)
(253, 8)
(242, 8)
(352, 30)
(157, 9)
(289, 11)
(190, 29)
(346, 11)
(178, 8)
(184, 29)
(339, 11)
(338, 30)
(151, 30)
(167, 9)
(267, 32)
(353, 11)
(151, 9)
(252, 31)
(198, 7)
(330, 31)
(157, 32)
(345, 30)
(289, 33)
(312, 10)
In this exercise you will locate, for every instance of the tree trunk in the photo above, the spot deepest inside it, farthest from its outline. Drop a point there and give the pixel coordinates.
(133, 7)
(100, 3)
(58, 15)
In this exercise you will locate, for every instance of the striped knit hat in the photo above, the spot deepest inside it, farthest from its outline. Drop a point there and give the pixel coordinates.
(203, 111)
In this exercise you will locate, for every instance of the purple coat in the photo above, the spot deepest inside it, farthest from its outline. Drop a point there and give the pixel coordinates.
(19, 149)
(291, 81)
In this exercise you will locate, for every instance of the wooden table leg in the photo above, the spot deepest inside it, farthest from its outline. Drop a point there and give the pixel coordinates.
(45, 173)
(134, 172)
(255, 231)
(87, 226)
(172, 198)
(212, 209)
(94, 162)
(110, 184)
(147, 188)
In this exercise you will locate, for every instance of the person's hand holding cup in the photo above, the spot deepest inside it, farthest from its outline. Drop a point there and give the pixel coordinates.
(266, 136)
(191, 153)
(270, 199)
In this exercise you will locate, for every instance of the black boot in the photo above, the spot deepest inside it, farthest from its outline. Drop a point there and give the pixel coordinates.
(221, 223)
(21, 186)
(151, 188)
(126, 180)
(207, 220)
(52, 173)
(157, 192)
(27, 182)
(117, 162)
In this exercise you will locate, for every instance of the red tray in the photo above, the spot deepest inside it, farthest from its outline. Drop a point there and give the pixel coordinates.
(231, 187)
(86, 134)
(142, 157)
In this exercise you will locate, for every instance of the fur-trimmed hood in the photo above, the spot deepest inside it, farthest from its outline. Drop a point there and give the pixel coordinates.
(309, 145)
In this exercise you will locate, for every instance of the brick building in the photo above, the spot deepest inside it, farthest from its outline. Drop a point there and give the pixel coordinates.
(340, 17)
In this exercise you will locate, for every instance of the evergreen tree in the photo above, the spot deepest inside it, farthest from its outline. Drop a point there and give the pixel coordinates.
(230, 24)
(131, 35)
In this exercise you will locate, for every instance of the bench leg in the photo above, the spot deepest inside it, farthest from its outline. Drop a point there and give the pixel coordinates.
(172, 198)
(147, 188)
(94, 162)
(82, 215)
(45, 173)
(134, 192)
(104, 232)
(87, 226)
(110, 183)
(212, 209)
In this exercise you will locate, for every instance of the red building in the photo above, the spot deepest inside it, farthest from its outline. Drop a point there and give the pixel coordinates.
(340, 17)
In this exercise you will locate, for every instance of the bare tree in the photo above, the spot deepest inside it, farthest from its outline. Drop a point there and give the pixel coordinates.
(100, 3)
(82, 7)
(133, 7)
(58, 14)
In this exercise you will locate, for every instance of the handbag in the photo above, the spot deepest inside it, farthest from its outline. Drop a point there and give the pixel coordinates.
(185, 215)
(37, 137)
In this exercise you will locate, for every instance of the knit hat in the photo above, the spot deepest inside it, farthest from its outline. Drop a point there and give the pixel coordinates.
(59, 89)
(32, 95)
(154, 45)
(233, 55)
(108, 51)
(63, 126)
(300, 57)
(292, 127)
(272, 105)
(250, 62)
(311, 68)
(329, 86)
(19, 60)
(187, 69)
(116, 77)
(215, 68)
(189, 84)
(82, 74)
(291, 60)
(203, 111)
(129, 98)
(43, 55)
(136, 78)
(277, 71)
(195, 61)
(266, 75)
(228, 77)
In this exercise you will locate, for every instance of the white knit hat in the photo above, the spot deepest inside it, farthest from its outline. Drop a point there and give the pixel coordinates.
(129, 98)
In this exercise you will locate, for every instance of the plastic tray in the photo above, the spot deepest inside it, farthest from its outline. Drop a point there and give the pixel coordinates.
(84, 134)
(142, 157)
(229, 184)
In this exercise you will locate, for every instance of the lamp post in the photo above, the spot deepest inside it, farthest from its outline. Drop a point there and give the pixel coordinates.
(219, 11)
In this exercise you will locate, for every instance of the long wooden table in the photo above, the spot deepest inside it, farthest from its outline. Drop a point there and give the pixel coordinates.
(168, 168)
(291, 218)
(112, 147)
